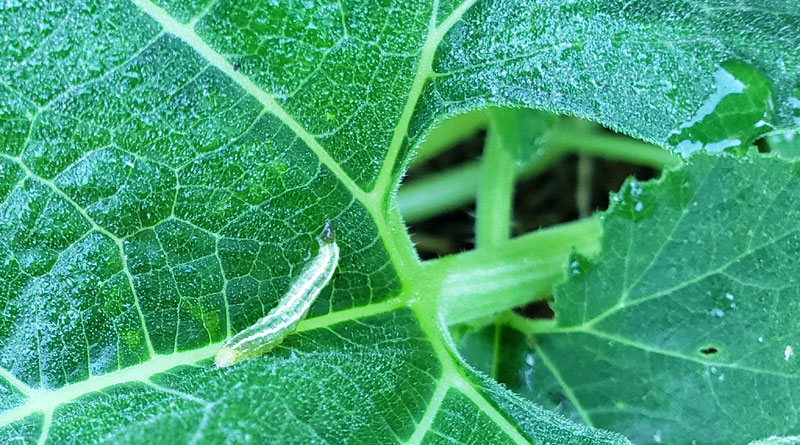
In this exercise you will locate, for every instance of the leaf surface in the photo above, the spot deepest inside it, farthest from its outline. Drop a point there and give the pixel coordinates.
(164, 168)
(683, 327)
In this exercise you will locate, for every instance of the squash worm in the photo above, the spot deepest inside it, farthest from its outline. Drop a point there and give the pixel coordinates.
(269, 331)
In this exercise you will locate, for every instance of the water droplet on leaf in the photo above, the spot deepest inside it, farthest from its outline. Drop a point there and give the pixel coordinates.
(630, 202)
(794, 102)
(737, 112)
(579, 265)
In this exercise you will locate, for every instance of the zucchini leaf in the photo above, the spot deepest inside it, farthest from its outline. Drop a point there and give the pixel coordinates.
(165, 167)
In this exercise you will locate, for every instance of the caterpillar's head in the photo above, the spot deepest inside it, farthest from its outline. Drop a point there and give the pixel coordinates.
(328, 235)
(226, 357)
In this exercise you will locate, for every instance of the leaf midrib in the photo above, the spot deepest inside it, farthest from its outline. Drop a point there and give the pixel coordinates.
(43, 400)
(371, 201)
(424, 72)
(374, 201)
(46, 401)
(387, 221)
(187, 33)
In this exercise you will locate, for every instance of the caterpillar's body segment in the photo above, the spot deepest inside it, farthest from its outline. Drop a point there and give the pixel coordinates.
(281, 321)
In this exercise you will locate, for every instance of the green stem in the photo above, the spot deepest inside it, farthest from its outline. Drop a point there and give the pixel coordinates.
(482, 282)
(439, 193)
(456, 187)
(618, 148)
(449, 190)
(528, 326)
(496, 185)
(583, 188)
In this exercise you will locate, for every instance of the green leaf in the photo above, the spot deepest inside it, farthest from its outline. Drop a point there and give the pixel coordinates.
(165, 167)
(645, 67)
(683, 329)
(734, 115)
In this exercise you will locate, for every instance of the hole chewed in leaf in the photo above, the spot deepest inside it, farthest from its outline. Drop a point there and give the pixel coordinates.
(537, 309)
(709, 350)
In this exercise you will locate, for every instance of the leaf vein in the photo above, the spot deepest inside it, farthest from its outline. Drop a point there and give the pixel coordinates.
(678, 355)
(191, 38)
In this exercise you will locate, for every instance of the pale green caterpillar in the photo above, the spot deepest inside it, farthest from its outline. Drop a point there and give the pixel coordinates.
(281, 321)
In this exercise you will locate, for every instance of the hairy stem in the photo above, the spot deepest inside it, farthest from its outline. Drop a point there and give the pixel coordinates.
(449, 190)
(496, 184)
(483, 282)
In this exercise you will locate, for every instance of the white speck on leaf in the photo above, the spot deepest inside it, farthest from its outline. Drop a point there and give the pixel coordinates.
(717, 312)
(788, 352)
(657, 436)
